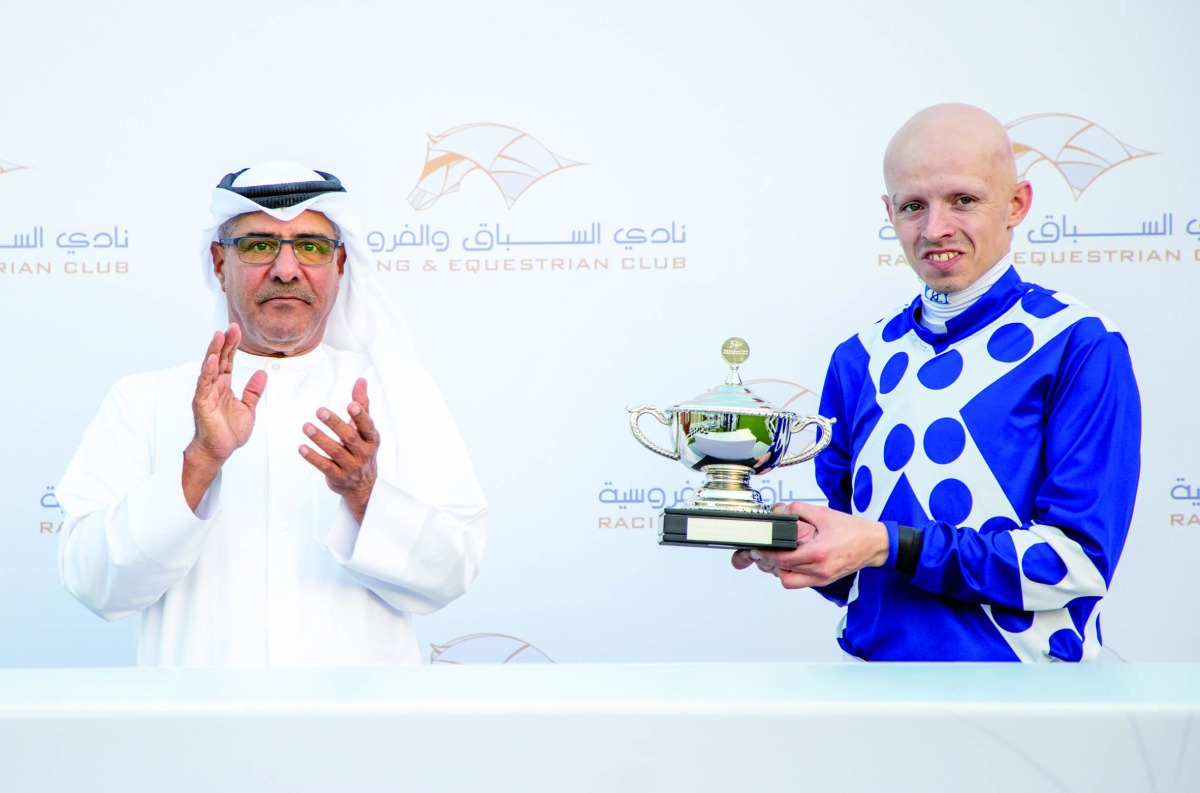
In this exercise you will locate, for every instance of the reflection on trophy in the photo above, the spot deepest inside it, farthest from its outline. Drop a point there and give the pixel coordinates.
(730, 434)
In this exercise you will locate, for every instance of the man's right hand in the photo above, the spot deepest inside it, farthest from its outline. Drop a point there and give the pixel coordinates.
(830, 546)
(223, 422)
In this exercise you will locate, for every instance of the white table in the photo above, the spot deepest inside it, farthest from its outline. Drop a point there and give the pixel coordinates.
(787, 727)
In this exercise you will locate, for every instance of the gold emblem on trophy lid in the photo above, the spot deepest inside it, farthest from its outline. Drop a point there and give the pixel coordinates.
(735, 351)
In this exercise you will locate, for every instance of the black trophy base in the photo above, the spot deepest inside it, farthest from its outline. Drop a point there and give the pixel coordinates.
(720, 529)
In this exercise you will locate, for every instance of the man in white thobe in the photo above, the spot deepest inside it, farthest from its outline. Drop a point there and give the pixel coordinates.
(237, 512)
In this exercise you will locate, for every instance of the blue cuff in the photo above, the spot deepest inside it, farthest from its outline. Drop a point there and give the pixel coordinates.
(893, 530)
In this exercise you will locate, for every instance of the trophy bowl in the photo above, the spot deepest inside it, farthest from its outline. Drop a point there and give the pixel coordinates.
(730, 435)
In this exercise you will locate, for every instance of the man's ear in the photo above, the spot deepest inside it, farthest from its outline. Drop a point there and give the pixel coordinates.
(1022, 200)
(887, 204)
(341, 260)
(218, 256)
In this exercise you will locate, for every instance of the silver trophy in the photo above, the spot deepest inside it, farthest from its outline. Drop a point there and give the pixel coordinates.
(730, 434)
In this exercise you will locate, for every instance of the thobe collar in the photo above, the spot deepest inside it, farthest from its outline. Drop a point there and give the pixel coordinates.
(287, 364)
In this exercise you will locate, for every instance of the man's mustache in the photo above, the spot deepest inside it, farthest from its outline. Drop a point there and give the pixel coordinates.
(281, 290)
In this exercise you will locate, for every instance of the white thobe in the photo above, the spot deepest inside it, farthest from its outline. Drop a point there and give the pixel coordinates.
(272, 568)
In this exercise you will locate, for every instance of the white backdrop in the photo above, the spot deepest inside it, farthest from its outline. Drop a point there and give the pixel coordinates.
(744, 143)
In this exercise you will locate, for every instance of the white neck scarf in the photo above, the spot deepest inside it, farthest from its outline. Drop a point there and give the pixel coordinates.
(937, 307)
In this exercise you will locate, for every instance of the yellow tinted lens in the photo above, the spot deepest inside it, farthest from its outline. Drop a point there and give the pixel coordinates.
(313, 251)
(258, 250)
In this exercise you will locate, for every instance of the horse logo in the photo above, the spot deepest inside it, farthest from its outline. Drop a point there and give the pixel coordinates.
(1079, 150)
(510, 158)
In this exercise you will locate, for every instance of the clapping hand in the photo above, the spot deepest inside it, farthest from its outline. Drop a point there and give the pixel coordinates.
(349, 466)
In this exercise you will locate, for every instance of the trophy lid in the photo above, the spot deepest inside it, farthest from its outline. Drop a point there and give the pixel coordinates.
(731, 395)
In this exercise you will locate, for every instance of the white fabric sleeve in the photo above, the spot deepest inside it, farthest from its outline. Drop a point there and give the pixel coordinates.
(425, 527)
(416, 556)
(129, 533)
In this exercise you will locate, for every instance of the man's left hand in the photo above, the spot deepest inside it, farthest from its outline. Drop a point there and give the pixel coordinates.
(350, 466)
(832, 545)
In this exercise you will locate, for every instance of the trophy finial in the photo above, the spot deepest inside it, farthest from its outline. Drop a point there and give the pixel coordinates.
(735, 351)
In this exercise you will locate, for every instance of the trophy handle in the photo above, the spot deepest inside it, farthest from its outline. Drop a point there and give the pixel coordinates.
(799, 423)
(663, 418)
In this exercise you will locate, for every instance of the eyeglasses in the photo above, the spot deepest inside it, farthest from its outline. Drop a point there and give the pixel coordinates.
(264, 250)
